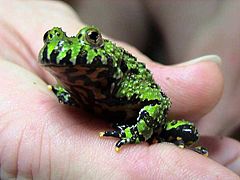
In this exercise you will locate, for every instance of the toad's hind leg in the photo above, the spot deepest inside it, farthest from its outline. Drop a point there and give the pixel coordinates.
(64, 97)
(183, 134)
(149, 118)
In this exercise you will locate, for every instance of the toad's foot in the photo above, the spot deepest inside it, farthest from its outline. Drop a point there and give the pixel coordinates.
(147, 122)
(201, 150)
(127, 135)
(64, 97)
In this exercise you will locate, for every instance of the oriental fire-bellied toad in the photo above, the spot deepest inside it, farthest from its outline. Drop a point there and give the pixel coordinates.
(96, 74)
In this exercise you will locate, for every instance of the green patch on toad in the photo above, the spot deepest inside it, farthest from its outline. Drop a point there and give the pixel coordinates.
(96, 74)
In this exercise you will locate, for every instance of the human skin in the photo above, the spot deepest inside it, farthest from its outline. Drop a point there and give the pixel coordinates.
(42, 139)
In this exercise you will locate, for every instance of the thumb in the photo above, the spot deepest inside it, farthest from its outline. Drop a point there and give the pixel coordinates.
(194, 87)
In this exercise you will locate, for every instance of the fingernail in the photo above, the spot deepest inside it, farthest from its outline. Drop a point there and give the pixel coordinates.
(211, 58)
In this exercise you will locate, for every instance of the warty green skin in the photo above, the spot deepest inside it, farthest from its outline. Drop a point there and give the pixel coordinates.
(94, 73)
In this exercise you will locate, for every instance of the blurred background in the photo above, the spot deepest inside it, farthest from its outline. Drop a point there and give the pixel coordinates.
(154, 27)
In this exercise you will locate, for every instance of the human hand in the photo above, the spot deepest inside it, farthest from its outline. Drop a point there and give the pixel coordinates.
(42, 139)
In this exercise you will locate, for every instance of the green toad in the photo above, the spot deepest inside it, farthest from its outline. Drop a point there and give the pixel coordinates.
(96, 74)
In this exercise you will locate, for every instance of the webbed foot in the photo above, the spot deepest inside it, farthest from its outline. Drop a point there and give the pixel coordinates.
(201, 150)
(126, 134)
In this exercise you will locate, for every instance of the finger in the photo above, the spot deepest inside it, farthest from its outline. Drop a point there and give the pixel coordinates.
(194, 88)
(223, 150)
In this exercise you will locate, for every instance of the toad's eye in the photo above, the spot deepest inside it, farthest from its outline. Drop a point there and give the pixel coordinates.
(49, 36)
(53, 33)
(94, 37)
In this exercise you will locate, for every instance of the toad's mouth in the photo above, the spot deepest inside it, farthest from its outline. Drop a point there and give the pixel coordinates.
(54, 60)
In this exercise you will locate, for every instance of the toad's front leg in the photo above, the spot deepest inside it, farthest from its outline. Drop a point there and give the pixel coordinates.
(149, 118)
(64, 97)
